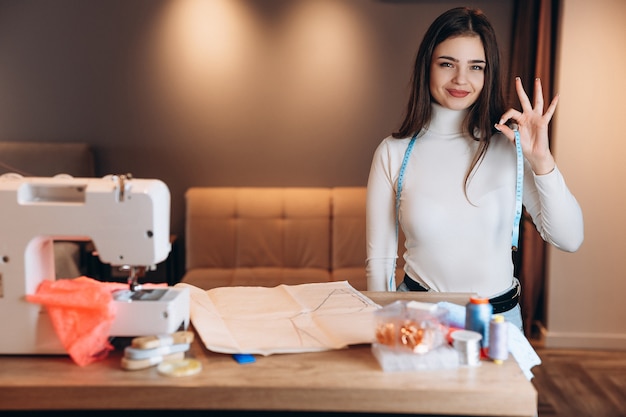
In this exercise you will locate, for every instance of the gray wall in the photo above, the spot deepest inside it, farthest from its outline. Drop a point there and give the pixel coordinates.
(220, 93)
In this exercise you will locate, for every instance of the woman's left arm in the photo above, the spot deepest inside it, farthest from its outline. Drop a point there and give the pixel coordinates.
(554, 209)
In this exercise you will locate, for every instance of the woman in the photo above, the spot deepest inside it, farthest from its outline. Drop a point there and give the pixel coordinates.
(457, 204)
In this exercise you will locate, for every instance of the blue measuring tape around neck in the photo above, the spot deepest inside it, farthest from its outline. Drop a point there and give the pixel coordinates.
(519, 191)
(405, 160)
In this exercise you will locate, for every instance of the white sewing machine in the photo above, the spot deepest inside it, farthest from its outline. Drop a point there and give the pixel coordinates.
(128, 221)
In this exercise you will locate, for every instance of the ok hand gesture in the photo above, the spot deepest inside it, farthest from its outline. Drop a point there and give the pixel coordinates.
(532, 124)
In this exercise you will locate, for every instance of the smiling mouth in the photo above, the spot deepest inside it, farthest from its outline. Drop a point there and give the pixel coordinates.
(458, 93)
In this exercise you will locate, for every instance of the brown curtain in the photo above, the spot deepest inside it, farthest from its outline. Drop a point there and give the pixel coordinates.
(533, 47)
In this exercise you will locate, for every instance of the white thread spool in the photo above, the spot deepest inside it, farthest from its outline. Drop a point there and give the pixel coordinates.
(498, 339)
(467, 344)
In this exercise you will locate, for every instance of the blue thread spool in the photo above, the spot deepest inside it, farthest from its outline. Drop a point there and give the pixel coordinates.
(498, 339)
(477, 317)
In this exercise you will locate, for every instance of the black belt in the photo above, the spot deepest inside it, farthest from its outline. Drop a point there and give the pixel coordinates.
(413, 285)
(506, 301)
(501, 303)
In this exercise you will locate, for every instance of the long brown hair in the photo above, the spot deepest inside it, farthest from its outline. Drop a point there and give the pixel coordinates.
(486, 111)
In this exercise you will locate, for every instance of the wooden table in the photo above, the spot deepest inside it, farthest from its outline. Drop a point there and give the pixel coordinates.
(348, 380)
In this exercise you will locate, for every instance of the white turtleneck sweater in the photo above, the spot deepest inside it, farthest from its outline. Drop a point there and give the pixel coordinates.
(452, 244)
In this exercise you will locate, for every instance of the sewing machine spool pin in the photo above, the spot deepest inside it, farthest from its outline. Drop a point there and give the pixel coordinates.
(122, 187)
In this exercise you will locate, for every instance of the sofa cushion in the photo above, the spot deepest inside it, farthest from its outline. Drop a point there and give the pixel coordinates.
(253, 236)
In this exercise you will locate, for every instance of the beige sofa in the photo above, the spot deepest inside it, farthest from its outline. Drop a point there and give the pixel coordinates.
(270, 236)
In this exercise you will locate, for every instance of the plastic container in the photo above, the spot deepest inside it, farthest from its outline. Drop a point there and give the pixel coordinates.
(412, 336)
(411, 326)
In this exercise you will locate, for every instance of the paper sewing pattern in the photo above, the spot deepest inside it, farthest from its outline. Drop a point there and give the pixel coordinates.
(282, 319)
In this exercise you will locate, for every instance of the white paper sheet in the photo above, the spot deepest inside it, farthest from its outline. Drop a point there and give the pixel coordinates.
(282, 319)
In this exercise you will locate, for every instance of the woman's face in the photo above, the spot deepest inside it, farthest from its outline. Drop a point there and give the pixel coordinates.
(457, 72)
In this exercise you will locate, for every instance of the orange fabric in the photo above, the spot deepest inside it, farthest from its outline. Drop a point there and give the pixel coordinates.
(81, 311)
